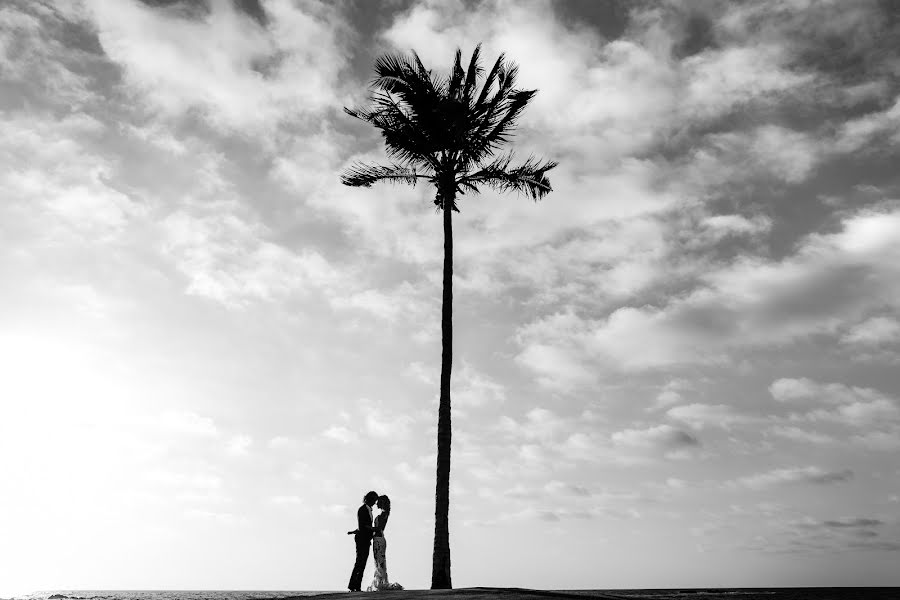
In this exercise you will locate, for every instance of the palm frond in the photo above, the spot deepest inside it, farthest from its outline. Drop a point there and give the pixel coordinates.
(364, 175)
(457, 76)
(529, 178)
(472, 74)
(489, 80)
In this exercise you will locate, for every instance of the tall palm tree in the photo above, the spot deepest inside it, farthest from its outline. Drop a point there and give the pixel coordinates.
(448, 132)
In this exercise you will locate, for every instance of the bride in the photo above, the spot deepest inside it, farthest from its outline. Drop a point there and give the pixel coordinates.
(379, 545)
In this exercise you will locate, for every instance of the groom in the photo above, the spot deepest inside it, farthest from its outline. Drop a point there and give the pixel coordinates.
(363, 537)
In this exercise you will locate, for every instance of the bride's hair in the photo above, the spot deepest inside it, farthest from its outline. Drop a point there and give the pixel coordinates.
(384, 503)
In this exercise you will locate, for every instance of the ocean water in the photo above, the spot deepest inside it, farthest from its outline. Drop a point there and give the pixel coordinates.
(484, 593)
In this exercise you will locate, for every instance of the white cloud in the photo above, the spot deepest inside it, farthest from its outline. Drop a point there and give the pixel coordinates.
(864, 413)
(380, 421)
(832, 279)
(341, 434)
(336, 509)
(554, 367)
(471, 387)
(737, 224)
(413, 474)
(787, 389)
(769, 151)
(287, 500)
(195, 480)
(185, 422)
(57, 185)
(848, 405)
(224, 65)
(225, 518)
(855, 134)
(239, 445)
(540, 424)
(229, 259)
(667, 398)
(418, 371)
(281, 442)
(875, 331)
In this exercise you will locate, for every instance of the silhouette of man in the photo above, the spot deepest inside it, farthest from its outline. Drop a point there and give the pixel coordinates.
(363, 537)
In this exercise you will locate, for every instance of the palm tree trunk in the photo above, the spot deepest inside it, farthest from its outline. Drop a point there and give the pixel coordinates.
(440, 569)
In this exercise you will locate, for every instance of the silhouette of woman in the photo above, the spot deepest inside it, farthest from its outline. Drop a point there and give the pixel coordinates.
(379, 546)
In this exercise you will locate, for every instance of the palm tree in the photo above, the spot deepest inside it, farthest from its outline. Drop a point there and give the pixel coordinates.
(448, 132)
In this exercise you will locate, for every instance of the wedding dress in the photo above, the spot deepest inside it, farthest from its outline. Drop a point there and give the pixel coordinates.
(379, 548)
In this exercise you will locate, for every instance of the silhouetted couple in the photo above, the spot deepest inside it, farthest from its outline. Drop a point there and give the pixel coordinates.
(366, 532)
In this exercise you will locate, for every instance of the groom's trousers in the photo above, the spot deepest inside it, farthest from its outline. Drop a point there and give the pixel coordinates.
(362, 555)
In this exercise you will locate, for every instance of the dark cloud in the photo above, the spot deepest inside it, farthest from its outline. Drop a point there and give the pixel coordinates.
(881, 545)
(852, 523)
(698, 36)
(547, 515)
(831, 477)
(195, 9)
(607, 17)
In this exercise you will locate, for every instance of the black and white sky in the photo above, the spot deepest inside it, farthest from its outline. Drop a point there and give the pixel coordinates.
(679, 369)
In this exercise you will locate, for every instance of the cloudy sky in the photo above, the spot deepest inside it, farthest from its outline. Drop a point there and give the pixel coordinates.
(679, 369)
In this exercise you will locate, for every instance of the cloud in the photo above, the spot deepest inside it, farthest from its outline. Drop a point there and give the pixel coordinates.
(57, 185)
(201, 479)
(700, 416)
(341, 434)
(472, 388)
(852, 523)
(875, 130)
(280, 442)
(767, 152)
(402, 305)
(671, 393)
(831, 280)
(239, 445)
(382, 422)
(189, 423)
(882, 441)
(40, 59)
(413, 474)
(286, 500)
(555, 367)
(227, 258)
(793, 475)
(723, 225)
(876, 331)
(801, 435)
(224, 65)
(224, 518)
(787, 389)
(661, 437)
(540, 424)
(859, 414)
(420, 372)
(335, 509)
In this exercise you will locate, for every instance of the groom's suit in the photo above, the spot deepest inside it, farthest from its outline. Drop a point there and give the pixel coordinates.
(363, 538)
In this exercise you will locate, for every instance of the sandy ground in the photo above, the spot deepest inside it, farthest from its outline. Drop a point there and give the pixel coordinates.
(478, 593)
(484, 593)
